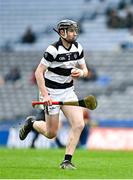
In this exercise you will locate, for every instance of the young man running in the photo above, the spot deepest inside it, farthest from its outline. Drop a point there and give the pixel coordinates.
(63, 61)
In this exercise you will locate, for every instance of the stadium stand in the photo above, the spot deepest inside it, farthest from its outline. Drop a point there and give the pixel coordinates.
(103, 51)
(114, 81)
(42, 17)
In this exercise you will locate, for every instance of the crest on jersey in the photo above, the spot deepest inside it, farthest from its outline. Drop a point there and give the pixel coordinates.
(75, 56)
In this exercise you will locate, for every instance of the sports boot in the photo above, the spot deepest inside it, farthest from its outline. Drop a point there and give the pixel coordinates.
(27, 127)
(67, 165)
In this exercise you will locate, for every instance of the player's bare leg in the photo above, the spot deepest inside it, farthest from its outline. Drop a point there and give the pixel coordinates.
(75, 117)
(49, 127)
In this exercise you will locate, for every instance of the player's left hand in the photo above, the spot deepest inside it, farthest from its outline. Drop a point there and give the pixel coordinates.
(76, 73)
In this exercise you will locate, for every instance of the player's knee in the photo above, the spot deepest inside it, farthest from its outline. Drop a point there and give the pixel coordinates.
(51, 135)
(80, 126)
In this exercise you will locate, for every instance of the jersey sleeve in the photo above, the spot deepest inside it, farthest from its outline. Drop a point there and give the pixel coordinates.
(49, 56)
(81, 54)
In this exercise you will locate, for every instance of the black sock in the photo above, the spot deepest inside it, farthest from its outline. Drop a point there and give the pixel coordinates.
(68, 157)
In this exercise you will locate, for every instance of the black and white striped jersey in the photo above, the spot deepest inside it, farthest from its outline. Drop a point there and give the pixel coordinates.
(60, 61)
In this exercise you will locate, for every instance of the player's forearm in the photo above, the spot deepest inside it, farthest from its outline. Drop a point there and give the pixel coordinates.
(85, 72)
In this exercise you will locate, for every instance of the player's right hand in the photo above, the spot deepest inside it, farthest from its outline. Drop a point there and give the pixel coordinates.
(47, 99)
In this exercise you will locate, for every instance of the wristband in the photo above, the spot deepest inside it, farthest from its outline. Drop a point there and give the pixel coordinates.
(81, 73)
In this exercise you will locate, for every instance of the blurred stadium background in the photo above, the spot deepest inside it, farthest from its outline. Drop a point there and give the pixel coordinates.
(107, 37)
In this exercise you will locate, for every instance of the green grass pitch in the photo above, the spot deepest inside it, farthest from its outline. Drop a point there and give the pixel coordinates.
(44, 164)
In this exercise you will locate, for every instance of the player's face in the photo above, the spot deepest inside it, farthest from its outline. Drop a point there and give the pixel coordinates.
(72, 34)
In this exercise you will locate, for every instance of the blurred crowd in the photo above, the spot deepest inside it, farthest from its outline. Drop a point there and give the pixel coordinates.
(118, 15)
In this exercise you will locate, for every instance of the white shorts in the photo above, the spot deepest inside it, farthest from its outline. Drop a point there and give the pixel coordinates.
(58, 95)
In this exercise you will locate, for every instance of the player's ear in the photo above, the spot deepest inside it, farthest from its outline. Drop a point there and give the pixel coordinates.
(62, 32)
